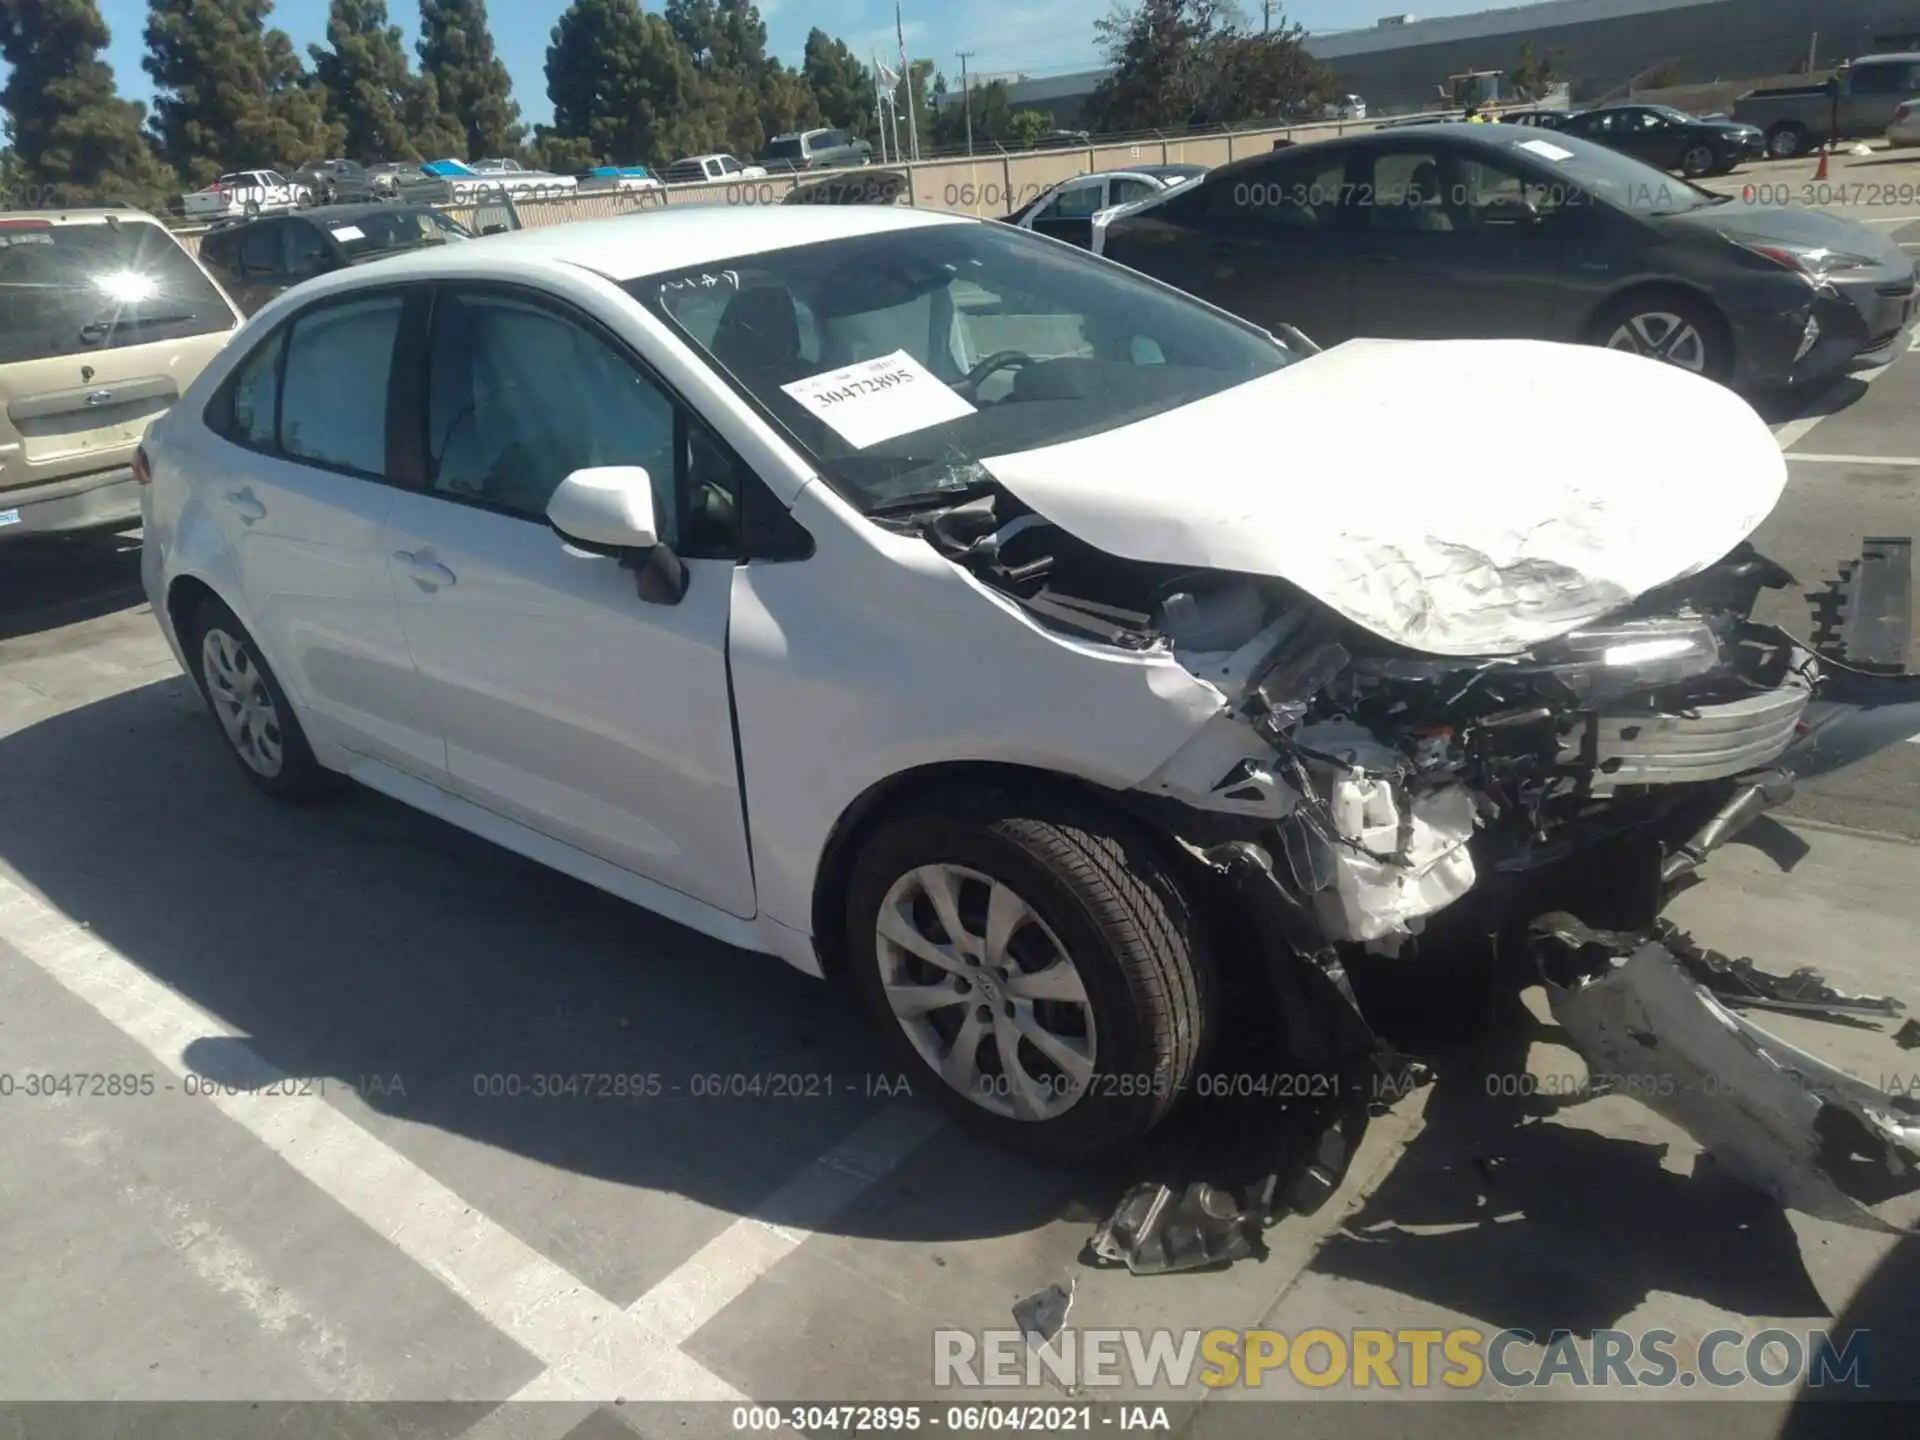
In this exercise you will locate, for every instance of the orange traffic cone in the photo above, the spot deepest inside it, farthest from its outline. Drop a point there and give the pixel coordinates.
(1825, 150)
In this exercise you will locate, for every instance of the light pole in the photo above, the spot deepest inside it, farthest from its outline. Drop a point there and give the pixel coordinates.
(966, 97)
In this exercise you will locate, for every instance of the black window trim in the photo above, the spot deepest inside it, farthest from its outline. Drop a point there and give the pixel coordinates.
(419, 466)
(218, 414)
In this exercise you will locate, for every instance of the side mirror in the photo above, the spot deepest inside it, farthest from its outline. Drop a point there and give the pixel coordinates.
(608, 510)
(494, 230)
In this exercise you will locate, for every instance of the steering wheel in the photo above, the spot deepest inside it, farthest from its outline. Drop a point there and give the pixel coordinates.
(999, 360)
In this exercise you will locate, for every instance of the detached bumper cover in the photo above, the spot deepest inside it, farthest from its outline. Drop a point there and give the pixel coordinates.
(1814, 1138)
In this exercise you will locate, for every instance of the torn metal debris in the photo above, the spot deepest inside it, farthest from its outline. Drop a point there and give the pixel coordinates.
(1043, 1314)
(1155, 1232)
(1811, 1136)
(1738, 981)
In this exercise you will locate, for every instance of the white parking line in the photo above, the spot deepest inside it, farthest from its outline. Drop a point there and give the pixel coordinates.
(1897, 460)
(597, 1347)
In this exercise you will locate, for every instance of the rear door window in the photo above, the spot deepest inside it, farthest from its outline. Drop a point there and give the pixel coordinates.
(333, 386)
(100, 286)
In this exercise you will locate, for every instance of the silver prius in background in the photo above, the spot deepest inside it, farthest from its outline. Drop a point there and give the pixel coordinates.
(1030, 646)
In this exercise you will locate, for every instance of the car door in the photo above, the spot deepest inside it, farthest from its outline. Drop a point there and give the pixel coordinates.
(305, 510)
(567, 703)
(1650, 136)
(1456, 242)
(1069, 214)
(1270, 242)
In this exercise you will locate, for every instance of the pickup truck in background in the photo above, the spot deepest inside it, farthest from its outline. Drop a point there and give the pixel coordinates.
(1856, 103)
(245, 192)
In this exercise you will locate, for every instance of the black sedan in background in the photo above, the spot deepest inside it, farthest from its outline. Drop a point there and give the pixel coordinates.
(1669, 138)
(1498, 231)
(257, 259)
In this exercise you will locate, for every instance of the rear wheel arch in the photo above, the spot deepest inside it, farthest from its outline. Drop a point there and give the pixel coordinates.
(184, 598)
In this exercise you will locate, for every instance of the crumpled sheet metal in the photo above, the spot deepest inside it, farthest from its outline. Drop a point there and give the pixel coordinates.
(1397, 547)
(1756, 1103)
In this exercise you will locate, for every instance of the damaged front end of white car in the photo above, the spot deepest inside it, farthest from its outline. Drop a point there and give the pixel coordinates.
(1361, 795)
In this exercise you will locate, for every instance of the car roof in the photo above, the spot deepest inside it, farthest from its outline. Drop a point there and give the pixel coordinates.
(1907, 55)
(80, 215)
(624, 247)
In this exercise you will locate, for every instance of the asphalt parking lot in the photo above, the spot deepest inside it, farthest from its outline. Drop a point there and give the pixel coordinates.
(312, 1180)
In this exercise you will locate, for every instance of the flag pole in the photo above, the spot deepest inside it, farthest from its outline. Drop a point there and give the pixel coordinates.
(879, 111)
(906, 75)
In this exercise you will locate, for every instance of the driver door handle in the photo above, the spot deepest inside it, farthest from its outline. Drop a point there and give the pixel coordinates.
(426, 572)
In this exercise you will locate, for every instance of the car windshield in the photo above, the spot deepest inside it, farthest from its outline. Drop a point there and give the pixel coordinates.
(1614, 177)
(786, 147)
(899, 361)
(69, 289)
(381, 232)
(1667, 112)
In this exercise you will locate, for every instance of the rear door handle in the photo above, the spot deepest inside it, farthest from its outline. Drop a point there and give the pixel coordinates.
(246, 505)
(426, 572)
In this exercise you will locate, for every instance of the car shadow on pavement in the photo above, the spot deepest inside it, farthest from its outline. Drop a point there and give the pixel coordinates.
(1507, 1208)
(359, 941)
(49, 582)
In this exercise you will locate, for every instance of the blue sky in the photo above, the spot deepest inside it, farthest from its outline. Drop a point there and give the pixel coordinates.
(1033, 35)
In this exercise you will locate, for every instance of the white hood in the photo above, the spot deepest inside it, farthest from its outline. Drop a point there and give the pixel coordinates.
(1460, 497)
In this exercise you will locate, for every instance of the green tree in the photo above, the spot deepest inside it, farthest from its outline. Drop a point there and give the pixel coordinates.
(992, 118)
(74, 140)
(1027, 128)
(369, 89)
(622, 82)
(230, 93)
(1194, 62)
(841, 85)
(1535, 75)
(474, 91)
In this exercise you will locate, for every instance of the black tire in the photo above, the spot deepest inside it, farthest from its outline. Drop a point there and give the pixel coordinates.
(1636, 313)
(1788, 140)
(299, 777)
(1103, 890)
(1698, 160)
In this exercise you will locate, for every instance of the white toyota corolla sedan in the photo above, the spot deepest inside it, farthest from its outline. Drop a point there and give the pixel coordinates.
(932, 604)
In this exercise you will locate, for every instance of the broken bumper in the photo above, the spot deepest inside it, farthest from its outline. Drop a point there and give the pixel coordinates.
(1814, 1138)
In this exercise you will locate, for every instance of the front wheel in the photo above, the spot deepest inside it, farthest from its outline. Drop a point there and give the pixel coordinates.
(1699, 160)
(1674, 329)
(1033, 960)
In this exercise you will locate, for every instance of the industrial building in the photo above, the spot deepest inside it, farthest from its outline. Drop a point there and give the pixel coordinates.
(1600, 46)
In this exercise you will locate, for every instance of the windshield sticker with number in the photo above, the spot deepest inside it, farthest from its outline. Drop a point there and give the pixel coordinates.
(1547, 149)
(879, 399)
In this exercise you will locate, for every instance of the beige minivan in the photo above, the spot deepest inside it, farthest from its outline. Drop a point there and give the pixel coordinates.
(104, 320)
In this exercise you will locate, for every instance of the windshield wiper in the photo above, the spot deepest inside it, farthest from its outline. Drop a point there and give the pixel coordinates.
(945, 496)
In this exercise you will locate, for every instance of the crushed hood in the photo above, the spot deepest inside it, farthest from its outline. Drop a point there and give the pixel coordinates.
(1459, 497)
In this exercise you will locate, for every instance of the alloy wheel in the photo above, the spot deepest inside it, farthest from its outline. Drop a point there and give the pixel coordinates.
(242, 702)
(1699, 160)
(986, 992)
(1662, 335)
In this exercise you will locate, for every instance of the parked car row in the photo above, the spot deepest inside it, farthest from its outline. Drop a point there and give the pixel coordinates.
(1051, 656)
(1496, 231)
